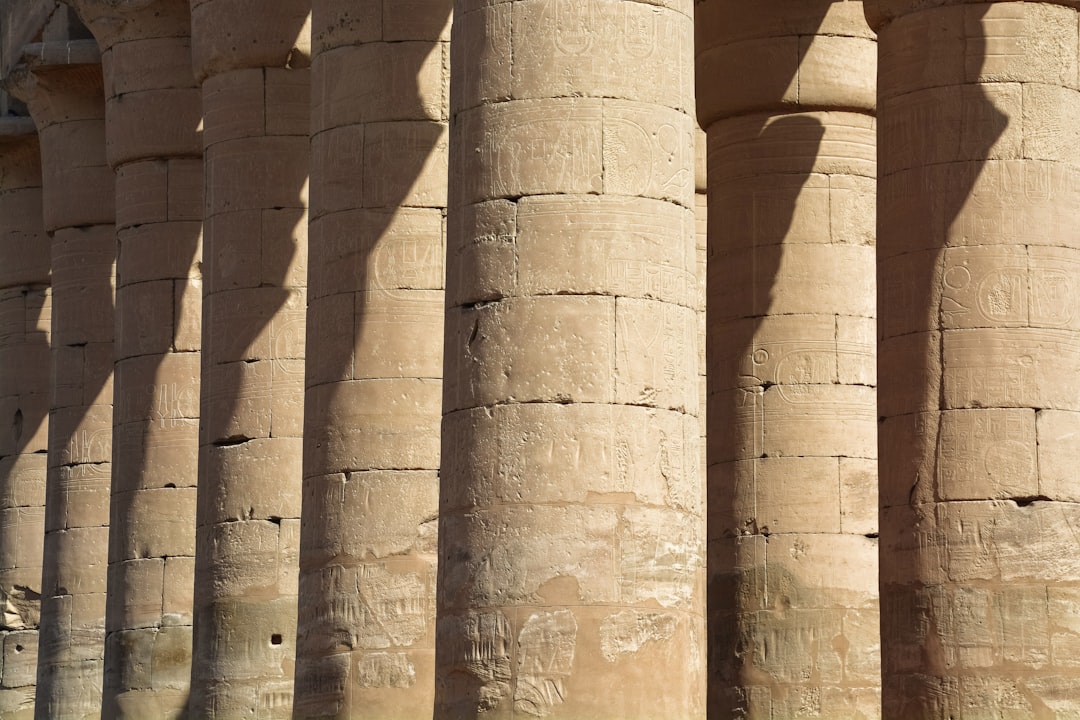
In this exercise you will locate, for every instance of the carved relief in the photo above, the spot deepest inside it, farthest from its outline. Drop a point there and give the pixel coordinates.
(627, 632)
(545, 651)
(385, 670)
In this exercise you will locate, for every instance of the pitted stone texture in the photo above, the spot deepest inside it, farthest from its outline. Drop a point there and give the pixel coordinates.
(67, 103)
(978, 341)
(571, 535)
(380, 93)
(156, 434)
(256, 109)
(791, 376)
(153, 112)
(25, 319)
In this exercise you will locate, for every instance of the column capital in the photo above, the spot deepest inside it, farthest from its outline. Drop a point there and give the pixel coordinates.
(880, 13)
(229, 35)
(117, 21)
(153, 102)
(782, 56)
(59, 82)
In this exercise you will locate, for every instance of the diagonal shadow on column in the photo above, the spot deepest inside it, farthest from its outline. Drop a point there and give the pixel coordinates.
(28, 419)
(172, 406)
(918, 223)
(731, 650)
(796, 139)
(158, 182)
(376, 276)
(61, 82)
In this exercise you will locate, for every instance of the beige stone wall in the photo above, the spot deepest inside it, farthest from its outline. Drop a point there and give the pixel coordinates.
(25, 326)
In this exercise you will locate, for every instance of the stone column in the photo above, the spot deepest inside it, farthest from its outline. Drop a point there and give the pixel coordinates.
(380, 91)
(786, 95)
(980, 358)
(571, 558)
(251, 58)
(153, 110)
(25, 316)
(62, 84)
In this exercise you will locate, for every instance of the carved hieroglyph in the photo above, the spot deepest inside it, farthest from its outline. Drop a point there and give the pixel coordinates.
(571, 534)
(792, 424)
(62, 85)
(25, 318)
(252, 66)
(380, 94)
(152, 112)
(980, 358)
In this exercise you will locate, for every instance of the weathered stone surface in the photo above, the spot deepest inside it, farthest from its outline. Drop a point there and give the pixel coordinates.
(775, 56)
(569, 437)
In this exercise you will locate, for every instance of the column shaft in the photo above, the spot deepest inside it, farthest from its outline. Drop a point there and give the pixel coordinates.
(25, 312)
(786, 97)
(63, 88)
(252, 62)
(571, 562)
(980, 358)
(380, 93)
(153, 110)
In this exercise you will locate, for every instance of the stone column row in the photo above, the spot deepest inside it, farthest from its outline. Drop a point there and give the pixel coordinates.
(25, 327)
(570, 534)
(62, 85)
